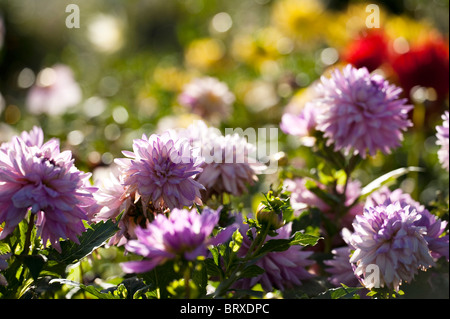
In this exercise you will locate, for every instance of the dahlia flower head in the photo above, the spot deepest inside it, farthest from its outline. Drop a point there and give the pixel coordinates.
(443, 140)
(185, 234)
(230, 163)
(113, 200)
(361, 112)
(54, 92)
(388, 237)
(438, 243)
(161, 171)
(209, 98)
(38, 178)
(302, 125)
(283, 270)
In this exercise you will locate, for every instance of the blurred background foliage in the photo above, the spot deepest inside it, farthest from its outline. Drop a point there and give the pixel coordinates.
(132, 58)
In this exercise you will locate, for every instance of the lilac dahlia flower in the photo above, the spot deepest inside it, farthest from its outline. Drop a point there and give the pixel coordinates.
(388, 237)
(361, 112)
(161, 170)
(283, 269)
(208, 98)
(113, 200)
(230, 164)
(443, 140)
(39, 179)
(184, 234)
(435, 228)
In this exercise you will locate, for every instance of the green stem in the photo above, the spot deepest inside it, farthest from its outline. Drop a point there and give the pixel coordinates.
(187, 278)
(252, 251)
(27, 243)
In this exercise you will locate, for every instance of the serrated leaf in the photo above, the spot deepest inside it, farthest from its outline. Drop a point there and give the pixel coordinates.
(304, 239)
(90, 240)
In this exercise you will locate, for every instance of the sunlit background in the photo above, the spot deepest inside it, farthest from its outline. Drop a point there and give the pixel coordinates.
(118, 75)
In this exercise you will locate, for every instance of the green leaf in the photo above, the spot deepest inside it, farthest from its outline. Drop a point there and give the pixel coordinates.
(304, 239)
(343, 292)
(387, 178)
(90, 289)
(274, 245)
(90, 240)
(35, 264)
(251, 271)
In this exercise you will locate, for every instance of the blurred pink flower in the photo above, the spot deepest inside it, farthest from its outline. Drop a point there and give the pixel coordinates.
(443, 140)
(54, 92)
(208, 98)
(302, 125)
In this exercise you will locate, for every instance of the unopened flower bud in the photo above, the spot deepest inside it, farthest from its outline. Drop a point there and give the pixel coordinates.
(266, 216)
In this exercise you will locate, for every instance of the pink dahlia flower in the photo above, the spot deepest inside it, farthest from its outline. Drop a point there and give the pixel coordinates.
(39, 179)
(161, 170)
(285, 269)
(184, 234)
(443, 140)
(435, 228)
(361, 112)
(389, 238)
(113, 200)
(230, 164)
(208, 98)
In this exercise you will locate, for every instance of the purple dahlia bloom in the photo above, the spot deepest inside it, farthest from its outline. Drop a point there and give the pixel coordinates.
(437, 243)
(39, 179)
(230, 164)
(283, 269)
(388, 237)
(361, 111)
(161, 170)
(184, 234)
(443, 140)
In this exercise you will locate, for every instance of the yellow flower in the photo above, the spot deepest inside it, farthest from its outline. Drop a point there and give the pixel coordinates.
(350, 23)
(406, 28)
(303, 20)
(204, 53)
(260, 48)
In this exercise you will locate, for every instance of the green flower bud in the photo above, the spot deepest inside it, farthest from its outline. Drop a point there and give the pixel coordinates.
(266, 216)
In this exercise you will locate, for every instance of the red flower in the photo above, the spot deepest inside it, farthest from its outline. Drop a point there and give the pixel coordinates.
(426, 64)
(369, 51)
